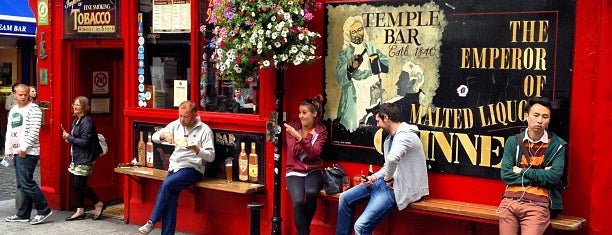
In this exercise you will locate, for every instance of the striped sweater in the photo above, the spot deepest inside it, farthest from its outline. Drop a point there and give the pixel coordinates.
(23, 129)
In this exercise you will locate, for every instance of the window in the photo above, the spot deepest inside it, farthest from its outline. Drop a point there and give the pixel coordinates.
(218, 94)
(163, 53)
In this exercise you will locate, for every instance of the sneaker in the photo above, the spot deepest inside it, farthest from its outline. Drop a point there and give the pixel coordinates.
(15, 218)
(147, 228)
(40, 218)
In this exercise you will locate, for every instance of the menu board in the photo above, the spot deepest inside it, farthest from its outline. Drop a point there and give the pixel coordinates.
(171, 16)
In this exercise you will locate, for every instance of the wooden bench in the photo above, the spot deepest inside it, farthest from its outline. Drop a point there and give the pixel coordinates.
(207, 183)
(473, 212)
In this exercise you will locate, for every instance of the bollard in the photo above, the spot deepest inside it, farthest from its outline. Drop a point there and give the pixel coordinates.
(255, 207)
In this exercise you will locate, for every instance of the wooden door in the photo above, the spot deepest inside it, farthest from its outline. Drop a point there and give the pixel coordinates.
(98, 77)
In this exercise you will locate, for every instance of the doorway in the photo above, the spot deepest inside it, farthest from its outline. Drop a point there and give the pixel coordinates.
(97, 74)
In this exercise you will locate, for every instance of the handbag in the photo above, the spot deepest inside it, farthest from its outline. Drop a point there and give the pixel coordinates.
(333, 179)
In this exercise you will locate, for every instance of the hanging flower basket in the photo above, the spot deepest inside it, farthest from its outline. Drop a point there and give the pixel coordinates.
(254, 34)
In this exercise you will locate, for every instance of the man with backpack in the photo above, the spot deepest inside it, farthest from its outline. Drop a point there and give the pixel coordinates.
(532, 166)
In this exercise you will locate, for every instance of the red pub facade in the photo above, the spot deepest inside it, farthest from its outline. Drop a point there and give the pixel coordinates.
(135, 66)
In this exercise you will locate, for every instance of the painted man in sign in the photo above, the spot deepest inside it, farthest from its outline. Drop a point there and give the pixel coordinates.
(359, 67)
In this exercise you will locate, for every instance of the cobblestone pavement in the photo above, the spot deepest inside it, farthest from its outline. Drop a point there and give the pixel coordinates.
(8, 187)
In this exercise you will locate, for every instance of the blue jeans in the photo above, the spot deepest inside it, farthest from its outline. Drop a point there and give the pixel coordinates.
(30, 191)
(381, 201)
(168, 195)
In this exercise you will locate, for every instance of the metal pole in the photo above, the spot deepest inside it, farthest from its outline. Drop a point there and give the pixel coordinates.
(255, 207)
(278, 148)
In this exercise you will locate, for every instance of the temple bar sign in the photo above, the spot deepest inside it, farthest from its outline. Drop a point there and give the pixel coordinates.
(462, 73)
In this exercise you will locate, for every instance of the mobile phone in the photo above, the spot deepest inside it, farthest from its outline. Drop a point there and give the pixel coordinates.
(365, 178)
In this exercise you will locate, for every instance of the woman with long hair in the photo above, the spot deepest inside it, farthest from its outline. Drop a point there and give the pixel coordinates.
(84, 149)
(305, 139)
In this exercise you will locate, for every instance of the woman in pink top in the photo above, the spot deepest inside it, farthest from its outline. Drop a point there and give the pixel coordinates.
(305, 139)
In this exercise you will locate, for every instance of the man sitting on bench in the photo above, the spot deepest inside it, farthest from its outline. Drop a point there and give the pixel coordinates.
(193, 141)
(532, 165)
(401, 181)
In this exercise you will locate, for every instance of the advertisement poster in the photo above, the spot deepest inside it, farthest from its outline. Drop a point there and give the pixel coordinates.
(227, 146)
(461, 72)
(91, 19)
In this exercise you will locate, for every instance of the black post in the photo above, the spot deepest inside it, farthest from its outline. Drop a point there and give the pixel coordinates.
(278, 148)
(255, 207)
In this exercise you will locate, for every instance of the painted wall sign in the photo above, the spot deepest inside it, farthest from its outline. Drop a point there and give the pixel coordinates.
(227, 144)
(91, 19)
(462, 73)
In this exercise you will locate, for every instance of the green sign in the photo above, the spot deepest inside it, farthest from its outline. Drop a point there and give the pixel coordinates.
(43, 12)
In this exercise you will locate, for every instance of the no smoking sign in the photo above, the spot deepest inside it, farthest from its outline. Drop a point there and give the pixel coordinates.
(100, 82)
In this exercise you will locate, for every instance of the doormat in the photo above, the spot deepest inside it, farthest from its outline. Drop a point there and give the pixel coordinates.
(112, 211)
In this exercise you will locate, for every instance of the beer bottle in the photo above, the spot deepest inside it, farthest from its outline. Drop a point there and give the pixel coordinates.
(243, 164)
(149, 148)
(141, 151)
(253, 174)
(371, 170)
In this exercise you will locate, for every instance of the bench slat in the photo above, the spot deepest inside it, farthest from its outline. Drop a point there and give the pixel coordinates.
(475, 212)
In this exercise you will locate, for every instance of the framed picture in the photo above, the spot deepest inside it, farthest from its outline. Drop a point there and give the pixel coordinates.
(460, 72)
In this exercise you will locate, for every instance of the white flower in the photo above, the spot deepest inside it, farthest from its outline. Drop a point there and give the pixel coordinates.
(273, 18)
(269, 26)
(287, 16)
(274, 35)
(266, 63)
(301, 36)
(277, 44)
(237, 69)
(253, 14)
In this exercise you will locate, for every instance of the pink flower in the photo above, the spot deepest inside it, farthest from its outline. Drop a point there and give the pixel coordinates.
(253, 59)
(308, 16)
(238, 60)
(319, 5)
(203, 28)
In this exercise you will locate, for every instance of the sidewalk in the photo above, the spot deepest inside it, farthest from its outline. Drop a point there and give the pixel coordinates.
(57, 225)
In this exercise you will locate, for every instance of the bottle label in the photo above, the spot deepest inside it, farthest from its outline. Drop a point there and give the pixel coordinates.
(253, 171)
(150, 159)
(243, 164)
(141, 154)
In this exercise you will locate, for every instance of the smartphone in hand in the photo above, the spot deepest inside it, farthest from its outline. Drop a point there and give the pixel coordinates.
(365, 178)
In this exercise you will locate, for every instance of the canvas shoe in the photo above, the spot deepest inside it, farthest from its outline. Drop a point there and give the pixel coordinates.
(40, 218)
(15, 218)
(147, 228)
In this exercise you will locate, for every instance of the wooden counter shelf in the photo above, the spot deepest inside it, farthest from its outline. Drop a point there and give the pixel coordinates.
(207, 183)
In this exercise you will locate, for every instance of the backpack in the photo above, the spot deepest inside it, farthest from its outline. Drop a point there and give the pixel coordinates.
(103, 146)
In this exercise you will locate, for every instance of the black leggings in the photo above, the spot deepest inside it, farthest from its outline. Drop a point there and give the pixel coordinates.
(304, 192)
(82, 190)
